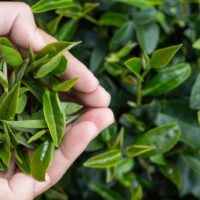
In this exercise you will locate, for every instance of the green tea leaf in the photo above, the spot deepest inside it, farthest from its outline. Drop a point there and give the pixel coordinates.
(21, 104)
(112, 19)
(179, 112)
(172, 172)
(6, 135)
(88, 7)
(18, 74)
(105, 160)
(136, 150)
(46, 5)
(35, 64)
(196, 44)
(124, 166)
(65, 86)
(122, 35)
(41, 159)
(3, 80)
(54, 116)
(158, 159)
(74, 12)
(142, 3)
(167, 79)
(162, 57)
(70, 108)
(5, 154)
(67, 30)
(148, 36)
(163, 138)
(192, 162)
(195, 95)
(8, 104)
(4, 41)
(28, 124)
(56, 49)
(135, 66)
(62, 66)
(37, 136)
(22, 158)
(47, 68)
(9, 54)
(53, 25)
(34, 87)
(105, 192)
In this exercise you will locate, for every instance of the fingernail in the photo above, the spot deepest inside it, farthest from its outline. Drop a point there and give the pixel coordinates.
(40, 187)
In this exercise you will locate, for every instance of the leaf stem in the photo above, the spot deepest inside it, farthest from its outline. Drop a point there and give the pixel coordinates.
(139, 92)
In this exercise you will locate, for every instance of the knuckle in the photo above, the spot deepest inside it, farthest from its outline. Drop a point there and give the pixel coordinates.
(25, 7)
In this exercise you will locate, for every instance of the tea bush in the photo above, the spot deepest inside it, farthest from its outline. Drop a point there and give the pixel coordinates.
(146, 54)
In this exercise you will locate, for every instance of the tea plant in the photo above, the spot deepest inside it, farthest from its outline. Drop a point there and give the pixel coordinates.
(152, 151)
(32, 115)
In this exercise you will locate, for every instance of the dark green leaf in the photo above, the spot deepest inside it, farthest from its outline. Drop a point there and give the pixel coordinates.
(195, 95)
(179, 112)
(148, 36)
(22, 158)
(193, 162)
(8, 104)
(167, 79)
(34, 87)
(112, 19)
(121, 36)
(172, 172)
(163, 138)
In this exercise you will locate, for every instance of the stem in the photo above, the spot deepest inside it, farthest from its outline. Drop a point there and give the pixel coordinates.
(139, 92)
(145, 72)
(91, 19)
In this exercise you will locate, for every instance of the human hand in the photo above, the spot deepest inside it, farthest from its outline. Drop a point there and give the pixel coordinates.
(17, 23)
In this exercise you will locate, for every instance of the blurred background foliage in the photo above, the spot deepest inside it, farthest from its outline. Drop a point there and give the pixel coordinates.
(139, 161)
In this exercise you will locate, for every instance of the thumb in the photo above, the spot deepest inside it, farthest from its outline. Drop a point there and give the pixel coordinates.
(20, 25)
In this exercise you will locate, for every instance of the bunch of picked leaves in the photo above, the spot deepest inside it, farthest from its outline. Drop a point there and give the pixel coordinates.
(32, 116)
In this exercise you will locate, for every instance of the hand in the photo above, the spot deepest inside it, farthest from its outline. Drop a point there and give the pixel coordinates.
(17, 22)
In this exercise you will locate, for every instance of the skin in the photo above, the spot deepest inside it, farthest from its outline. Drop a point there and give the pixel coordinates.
(17, 23)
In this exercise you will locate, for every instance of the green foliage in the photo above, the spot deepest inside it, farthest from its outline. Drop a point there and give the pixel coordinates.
(46, 5)
(32, 116)
(146, 54)
(41, 159)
